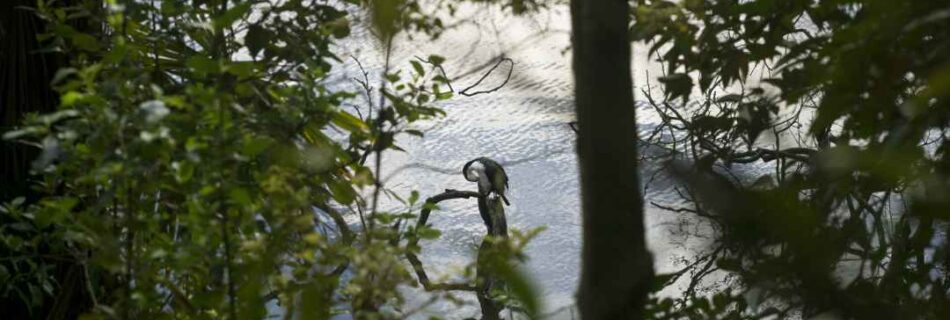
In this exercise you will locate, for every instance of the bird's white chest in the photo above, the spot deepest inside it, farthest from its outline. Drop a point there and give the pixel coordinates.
(484, 184)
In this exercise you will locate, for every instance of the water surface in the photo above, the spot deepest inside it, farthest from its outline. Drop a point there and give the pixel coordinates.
(523, 126)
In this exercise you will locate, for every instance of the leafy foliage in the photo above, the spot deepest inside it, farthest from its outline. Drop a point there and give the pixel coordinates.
(201, 166)
(846, 103)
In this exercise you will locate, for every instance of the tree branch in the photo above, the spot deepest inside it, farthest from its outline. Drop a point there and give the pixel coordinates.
(413, 242)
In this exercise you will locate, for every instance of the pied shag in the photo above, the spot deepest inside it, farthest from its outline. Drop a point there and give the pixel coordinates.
(490, 176)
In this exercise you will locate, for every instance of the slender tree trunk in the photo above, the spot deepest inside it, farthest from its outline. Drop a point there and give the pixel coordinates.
(617, 269)
(486, 274)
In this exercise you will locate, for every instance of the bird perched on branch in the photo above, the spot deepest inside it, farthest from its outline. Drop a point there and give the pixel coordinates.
(490, 176)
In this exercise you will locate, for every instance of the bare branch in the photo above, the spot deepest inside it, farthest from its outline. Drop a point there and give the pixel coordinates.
(465, 92)
(413, 242)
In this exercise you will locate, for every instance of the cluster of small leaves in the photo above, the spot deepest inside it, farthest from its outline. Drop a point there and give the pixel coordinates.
(722, 305)
(525, 6)
(23, 275)
(199, 166)
(390, 17)
(854, 95)
(499, 257)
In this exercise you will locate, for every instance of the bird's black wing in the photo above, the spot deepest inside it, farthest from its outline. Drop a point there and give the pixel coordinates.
(505, 175)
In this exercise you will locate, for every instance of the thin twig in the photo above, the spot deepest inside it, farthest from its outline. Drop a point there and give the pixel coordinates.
(465, 92)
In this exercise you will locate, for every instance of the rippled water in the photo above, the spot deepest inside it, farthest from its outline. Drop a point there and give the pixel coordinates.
(524, 127)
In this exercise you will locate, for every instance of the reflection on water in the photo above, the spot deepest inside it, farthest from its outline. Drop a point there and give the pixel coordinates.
(523, 126)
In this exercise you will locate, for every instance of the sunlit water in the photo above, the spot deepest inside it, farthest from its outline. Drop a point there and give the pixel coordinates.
(523, 126)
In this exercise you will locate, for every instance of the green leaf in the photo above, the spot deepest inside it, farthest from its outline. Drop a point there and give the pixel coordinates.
(384, 218)
(342, 191)
(385, 15)
(393, 77)
(256, 39)
(241, 69)
(701, 303)
(174, 101)
(70, 98)
(183, 171)
(720, 301)
(443, 96)
(362, 176)
(422, 98)
(85, 42)
(521, 287)
(233, 14)
(62, 74)
(729, 264)
(660, 281)
(418, 67)
(430, 206)
(349, 122)
(428, 233)
(436, 59)
(116, 54)
(25, 132)
(677, 85)
(340, 27)
(253, 146)
(240, 197)
(54, 211)
(202, 65)
(730, 98)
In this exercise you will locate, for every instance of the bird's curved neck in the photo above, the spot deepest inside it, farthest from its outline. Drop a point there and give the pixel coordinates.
(473, 170)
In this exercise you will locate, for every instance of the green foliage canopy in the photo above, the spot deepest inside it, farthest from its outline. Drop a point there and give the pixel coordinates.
(846, 102)
(200, 163)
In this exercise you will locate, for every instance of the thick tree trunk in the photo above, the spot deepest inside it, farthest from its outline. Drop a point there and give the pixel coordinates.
(617, 268)
(25, 76)
(24, 88)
